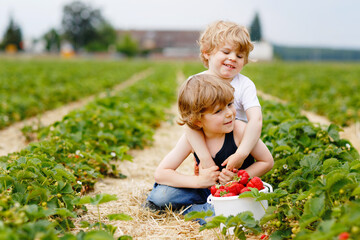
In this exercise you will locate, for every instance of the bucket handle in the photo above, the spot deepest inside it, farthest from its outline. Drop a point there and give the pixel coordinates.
(209, 199)
(268, 186)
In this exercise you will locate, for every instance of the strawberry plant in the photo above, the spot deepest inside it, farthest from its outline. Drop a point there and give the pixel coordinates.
(42, 183)
(316, 178)
(52, 83)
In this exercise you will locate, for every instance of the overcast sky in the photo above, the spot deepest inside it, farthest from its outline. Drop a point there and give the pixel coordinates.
(318, 23)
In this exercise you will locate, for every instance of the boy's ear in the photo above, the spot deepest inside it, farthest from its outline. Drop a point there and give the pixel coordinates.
(206, 55)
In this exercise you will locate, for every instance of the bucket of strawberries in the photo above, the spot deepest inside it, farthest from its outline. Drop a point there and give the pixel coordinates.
(226, 201)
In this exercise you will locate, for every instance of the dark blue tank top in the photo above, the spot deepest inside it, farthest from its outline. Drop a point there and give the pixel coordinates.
(229, 147)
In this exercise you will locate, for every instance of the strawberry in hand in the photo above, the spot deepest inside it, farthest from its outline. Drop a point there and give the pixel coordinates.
(244, 176)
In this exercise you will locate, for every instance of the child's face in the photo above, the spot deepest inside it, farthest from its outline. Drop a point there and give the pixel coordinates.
(219, 120)
(225, 62)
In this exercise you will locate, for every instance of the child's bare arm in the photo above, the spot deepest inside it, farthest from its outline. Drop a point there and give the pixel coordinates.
(264, 160)
(250, 138)
(166, 171)
(197, 141)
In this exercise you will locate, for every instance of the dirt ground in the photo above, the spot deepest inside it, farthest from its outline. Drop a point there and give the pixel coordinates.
(132, 191)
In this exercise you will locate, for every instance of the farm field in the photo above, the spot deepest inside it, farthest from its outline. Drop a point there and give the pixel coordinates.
(328, 89)
(29, 88)
(47, 185)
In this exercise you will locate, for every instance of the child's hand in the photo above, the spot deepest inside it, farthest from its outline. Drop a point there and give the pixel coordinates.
(208, 176)
(233, 162)
(226, 176)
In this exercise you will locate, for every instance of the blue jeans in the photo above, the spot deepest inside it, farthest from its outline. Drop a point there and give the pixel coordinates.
(196, 198)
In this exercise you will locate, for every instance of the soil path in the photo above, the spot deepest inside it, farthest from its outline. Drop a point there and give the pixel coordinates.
(12, 139)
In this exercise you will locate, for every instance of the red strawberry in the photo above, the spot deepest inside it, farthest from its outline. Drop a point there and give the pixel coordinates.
(220, 192)
(264, 236)
(230, 194)
(228, 184)
(255, 182)
(343, 236)
(235, 188)
(245, 189)
(213, 190)
(244, 176)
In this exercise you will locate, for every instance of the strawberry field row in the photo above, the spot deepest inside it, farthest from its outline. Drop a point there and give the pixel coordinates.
(32, 87)
(317, 180)
(42, 184)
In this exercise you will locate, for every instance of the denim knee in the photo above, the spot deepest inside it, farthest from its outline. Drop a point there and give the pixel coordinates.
(163, 195)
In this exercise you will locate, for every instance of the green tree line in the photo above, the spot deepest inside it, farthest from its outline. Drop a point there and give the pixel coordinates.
(83, 26)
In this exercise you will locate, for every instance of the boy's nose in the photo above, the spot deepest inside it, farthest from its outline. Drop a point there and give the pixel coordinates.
(229, 112)
(232, 56)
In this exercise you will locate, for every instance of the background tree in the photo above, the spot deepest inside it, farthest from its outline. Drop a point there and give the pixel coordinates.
(52, 39)
(12, 35)
(128, 46)
(255, 29)
(83, 25)
(105, 36)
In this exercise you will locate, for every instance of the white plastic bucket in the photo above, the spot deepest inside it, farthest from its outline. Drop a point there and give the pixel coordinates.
(234, 205)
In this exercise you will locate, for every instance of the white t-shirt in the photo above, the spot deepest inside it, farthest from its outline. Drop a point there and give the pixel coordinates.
(244, 96)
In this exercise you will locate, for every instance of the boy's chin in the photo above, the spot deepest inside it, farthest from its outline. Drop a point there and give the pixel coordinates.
(229, 130)
(228, 76)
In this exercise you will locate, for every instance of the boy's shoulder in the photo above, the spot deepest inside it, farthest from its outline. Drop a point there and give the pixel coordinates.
(242, 80)
(241, 77)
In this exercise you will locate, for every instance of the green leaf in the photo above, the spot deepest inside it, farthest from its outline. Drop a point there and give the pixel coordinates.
(330, 163)
(326, 226)
(313, 210)
(278, 193)
(194, 215)
(119, 216)
(214, 223)
(336, 180)
(102, 198)
(24, 174)
(64, 212)
(84, 200)
(247, 194)
(333, 131)
(68, 236)
(84, 224)
(67, 189)
(283, 148)
(98, 235)
(310, 161)
(125, 237)
(356, 191)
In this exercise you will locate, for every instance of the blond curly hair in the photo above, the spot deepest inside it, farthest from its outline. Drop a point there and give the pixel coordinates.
(220, 32)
